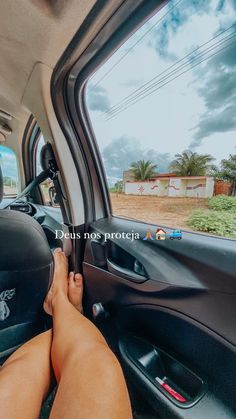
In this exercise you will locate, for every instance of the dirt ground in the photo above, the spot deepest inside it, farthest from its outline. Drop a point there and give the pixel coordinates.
(166, 211)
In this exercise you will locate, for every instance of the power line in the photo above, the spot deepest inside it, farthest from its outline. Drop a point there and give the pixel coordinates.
(205, 52)
(169, 68)
(135, 44)
(169, 81)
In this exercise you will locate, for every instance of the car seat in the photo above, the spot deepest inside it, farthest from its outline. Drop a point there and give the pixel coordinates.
(26, 268)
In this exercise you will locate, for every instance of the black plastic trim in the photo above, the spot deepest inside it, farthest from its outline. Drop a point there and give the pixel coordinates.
(127, 344)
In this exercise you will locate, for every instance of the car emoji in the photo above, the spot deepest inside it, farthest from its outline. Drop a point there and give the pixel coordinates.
(176, 234)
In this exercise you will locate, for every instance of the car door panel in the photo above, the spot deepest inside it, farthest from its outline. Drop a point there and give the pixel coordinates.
(185, 305)
(206, 404)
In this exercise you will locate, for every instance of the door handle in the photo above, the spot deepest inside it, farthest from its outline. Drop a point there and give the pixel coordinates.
(124, 272)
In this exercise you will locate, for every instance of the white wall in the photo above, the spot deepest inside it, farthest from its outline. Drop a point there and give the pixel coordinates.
(198, 188)
(174, 187)
(209, 187)
(195, 188)
(141, 188)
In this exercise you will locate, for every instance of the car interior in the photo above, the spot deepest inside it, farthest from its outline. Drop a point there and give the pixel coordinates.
(167, 310)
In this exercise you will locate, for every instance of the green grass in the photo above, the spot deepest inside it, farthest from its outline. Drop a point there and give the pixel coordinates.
(222, 203)
(221, 223)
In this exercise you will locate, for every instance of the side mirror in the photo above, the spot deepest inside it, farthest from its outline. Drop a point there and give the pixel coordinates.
(53, 196)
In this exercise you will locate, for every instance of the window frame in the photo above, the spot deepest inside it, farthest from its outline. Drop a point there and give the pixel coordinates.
(83, 56)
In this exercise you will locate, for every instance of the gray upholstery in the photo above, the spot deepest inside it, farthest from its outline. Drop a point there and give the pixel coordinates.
(26, 269)
(26, 266)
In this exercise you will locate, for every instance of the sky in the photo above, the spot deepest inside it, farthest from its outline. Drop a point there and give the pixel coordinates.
(195, 110)
(8, 162)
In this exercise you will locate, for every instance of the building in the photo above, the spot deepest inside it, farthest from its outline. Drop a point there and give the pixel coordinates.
(172, 186)
(128, 176)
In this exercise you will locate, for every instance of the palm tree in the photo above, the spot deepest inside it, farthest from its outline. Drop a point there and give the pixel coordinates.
(190, 163)
(143, 170)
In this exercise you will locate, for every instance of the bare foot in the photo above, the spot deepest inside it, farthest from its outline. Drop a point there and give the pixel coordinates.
(59, 282)
(75, 290)
(71, 287)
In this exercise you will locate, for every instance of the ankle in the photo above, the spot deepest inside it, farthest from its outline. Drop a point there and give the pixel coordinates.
(59, 297)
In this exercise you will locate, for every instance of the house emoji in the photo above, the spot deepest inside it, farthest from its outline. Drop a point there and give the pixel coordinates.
(160, 234)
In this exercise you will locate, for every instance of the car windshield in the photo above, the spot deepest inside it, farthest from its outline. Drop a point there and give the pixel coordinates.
(8, 165)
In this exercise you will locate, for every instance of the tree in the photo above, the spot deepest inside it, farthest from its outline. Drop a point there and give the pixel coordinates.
(118, 187)
(121, 152)
(143, 170)
(227, 172)
(190, 163)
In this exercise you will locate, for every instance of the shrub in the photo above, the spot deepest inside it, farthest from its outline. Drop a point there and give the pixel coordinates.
(221, 223)
(118, 187)
(222, 203)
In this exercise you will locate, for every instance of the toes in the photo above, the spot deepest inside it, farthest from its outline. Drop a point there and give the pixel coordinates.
(71, 279)
(60, 261)
(71, 276)
(78, 280)
(57, 254)
(57, 250)
(75, 290)
(75, 280)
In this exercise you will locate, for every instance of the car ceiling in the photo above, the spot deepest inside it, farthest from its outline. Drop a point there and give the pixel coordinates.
(31, 32)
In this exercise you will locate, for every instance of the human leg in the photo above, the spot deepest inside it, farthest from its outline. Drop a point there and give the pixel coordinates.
(91, 382)
(25, 379)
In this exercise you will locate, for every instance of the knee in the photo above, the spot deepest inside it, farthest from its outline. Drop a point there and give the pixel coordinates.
(33, 353)
(101, 360)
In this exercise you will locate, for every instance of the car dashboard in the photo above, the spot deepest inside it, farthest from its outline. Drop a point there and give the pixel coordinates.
(50, 218)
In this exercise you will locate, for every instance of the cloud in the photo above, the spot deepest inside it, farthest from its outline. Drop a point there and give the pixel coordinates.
(222, 3)
(97, 99)
(218, 90)
(215, 122)
(172, 22)
(122, 151)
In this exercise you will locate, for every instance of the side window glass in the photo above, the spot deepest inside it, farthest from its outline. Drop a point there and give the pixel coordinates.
(8, 163)
(163, 112)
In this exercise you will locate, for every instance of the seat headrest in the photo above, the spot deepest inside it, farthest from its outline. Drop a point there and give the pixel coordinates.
(1, 185)
(47, 158)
